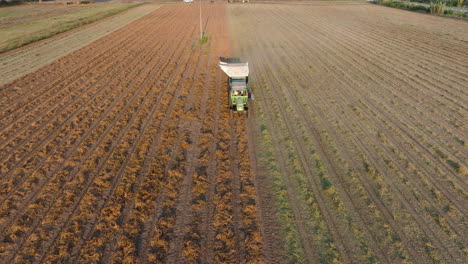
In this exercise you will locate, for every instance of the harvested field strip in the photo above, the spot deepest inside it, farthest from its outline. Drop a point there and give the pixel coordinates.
(19, 62)
(327, 84)
(330, 130)
(389, 110)
(271, 228)
(130, 152)
(24, 31)
(428, 87)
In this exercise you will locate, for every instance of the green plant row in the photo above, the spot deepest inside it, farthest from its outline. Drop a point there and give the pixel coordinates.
(286, 216)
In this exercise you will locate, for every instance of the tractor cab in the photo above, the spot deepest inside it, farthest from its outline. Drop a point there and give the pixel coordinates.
(238, 90)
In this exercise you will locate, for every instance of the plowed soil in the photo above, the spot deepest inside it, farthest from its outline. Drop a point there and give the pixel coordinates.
(361, 122)
(124, 152)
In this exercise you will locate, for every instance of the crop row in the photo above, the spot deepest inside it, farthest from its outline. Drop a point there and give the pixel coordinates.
(131, 157)
(347, 146)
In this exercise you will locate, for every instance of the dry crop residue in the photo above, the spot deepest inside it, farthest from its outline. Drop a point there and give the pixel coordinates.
(123, 151)
(361, 130)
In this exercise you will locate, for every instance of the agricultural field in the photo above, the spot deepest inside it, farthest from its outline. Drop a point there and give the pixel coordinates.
(19, 62)
(123, 151)
(360, 120)
(24, 24)
(116, 144)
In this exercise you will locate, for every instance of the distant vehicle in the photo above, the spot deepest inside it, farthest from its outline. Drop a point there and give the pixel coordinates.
(239, 93)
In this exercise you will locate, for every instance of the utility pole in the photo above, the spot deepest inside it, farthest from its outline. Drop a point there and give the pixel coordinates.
(201, 29)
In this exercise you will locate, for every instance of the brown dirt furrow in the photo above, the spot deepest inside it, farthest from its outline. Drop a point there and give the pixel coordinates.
(105, 159)
(111, 81)
(236, 186)
(190, 233)
(96, 144)
(89, 132)
(189, 136)
(186, 229)
(207, 215)
(119, 174)
(174, 148)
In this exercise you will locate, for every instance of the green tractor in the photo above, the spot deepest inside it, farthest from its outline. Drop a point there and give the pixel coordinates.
(239, 94)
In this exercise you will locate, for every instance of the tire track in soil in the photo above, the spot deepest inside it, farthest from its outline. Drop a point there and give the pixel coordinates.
(270, 227)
